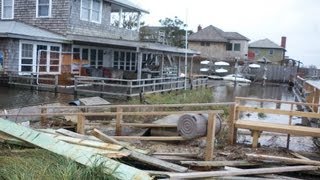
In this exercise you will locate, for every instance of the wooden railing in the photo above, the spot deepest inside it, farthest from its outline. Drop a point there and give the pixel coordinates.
(123, 114)
(34, 81)
(308, 92)
(239, 108)
(129, 88)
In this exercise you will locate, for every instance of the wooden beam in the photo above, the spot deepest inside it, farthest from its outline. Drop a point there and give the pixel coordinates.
(273, 101)
(279, 128)
(232, 120)
(193, 155)
(217, 163)
(80, 123)
(211, 127)
(85, 157)
(283, 159)
(148, 125)
(66, 132)
(242, 172)
(150, 138)
(173, 158)
(255, 138)
(279, 112)
(119, 117)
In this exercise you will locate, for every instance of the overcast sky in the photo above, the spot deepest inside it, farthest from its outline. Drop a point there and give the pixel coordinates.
(298, 20)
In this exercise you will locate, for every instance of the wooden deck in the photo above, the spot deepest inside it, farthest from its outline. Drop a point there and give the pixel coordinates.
(257, 127)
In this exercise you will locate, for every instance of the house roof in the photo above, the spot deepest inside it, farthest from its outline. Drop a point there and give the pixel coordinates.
(127, 4)
(132, 44)
(214, 34)
(265, 43)
(15, 29)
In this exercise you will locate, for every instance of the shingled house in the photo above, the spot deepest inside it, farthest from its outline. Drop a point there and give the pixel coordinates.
(265, 50)
(215, 44)
(52, 37)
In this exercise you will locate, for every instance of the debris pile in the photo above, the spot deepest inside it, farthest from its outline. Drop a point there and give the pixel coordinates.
(129, 162)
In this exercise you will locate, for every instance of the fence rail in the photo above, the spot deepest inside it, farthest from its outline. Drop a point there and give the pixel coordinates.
(129, 88)
(308, 93)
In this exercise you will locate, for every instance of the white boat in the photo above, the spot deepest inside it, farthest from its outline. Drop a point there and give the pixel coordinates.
(236, 77)
(205, 62)
(221, 63)
(221, 70)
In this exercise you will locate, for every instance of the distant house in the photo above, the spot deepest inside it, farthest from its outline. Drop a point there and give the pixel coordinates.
(215, 44)
(267, 51)
(53, 37)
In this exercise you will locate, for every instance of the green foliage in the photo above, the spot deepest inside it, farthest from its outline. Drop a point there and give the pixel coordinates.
(42, 164)
(129, 20)
(178, 97)
(262, 115)
(175, 32)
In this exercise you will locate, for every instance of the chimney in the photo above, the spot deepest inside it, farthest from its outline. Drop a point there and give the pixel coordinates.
(199, 28)
(283, 41)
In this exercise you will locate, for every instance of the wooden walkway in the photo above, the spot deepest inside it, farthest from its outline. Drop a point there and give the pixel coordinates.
(257, 127)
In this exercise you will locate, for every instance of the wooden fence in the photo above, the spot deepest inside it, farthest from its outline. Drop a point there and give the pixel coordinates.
(257, 127)
(124, 113)
(308, 93)
(129, 88)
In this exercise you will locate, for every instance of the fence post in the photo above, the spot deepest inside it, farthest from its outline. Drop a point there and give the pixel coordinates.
(233, 117)
(80, 123)
(75, 85)
(56, 83)
(316, 100)
(43, 118)
(290, 122)
(211, 130)
(118, 121)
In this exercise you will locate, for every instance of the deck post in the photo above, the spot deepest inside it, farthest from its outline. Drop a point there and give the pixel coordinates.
(233, 117)
(119, 121)
(316, 100)
(80, 123)
(290, 122)
(43, 118)
(211, 131)
(255, 138)
(56, 83)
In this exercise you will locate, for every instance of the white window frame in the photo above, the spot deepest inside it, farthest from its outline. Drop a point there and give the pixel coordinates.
(34, 57)
(2, 10)
(125, 61)
(90, 12)
(89, 54)
(37, 10)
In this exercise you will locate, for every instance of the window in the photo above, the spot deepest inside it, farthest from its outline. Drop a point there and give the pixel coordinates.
(202, 43)
(271, 51)
(44, 8)
(91, 10)
(236, 47)
(207, 43)
(38, 57)
(229, 46)
(7, 9)
(124, 60)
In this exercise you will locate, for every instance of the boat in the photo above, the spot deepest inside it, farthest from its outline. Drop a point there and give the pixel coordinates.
(236, 78)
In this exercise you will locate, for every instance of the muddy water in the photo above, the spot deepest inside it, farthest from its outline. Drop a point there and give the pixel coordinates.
(16, 98)
(225, 92)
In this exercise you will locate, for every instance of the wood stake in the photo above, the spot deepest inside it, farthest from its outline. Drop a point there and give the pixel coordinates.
(118, 121)
(80, 124)
(211, 130)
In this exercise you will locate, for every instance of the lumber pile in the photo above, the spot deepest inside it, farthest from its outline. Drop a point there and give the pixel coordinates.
(98, 146)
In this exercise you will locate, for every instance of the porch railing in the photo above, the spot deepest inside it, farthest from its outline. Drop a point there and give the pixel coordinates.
(129, 88)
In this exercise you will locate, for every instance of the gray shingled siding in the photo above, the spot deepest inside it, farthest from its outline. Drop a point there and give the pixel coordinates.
(80, 27)
(25, 11)
(10, 48)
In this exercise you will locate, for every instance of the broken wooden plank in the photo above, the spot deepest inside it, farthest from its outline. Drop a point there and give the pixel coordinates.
(141, 157)
(149, 125)
(217, 163)
(89, 143)
(256, 157)
(156, 162)
(192, 155)
(150, 138)
(87, 158)
(173, 158)
(76, 135)
(190, 175)
(299, 156)
(4, 138)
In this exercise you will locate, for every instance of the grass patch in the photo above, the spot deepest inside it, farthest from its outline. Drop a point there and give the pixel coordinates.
(262, 115)
(42, 164)
(203, 95)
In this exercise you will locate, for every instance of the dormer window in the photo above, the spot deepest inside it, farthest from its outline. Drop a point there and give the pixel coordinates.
(91, 10)
(44, 8)
(7, 9)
